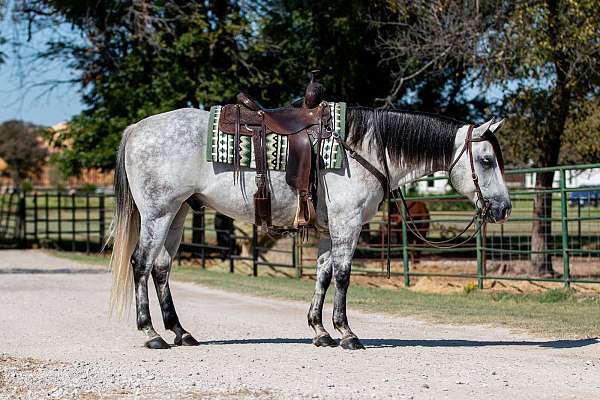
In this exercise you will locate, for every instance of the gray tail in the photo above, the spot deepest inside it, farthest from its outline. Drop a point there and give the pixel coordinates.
(124, 235)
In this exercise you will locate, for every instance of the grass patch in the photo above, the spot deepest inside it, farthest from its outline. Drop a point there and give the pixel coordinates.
(556, 313)
(91, 259)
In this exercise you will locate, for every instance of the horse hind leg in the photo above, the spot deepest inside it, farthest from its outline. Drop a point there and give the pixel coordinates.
(153, 233)
(160, 275)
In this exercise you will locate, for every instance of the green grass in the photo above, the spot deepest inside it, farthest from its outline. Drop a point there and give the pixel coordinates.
(553, 313)
(92, 259)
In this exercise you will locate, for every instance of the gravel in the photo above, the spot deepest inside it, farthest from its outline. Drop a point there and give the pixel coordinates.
(58, 342)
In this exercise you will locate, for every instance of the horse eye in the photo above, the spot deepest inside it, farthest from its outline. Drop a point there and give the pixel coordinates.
(487, 161)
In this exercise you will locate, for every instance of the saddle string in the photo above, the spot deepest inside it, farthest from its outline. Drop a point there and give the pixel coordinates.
(236, 150)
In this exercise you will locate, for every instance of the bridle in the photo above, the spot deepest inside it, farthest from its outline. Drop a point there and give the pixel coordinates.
(480, 214)
(468, 148)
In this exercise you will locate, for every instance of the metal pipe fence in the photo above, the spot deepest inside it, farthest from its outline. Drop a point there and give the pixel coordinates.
(80, 221)
(70, 221)
(504, 251)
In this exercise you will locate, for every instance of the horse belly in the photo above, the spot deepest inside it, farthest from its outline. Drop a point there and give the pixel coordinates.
(236, 199)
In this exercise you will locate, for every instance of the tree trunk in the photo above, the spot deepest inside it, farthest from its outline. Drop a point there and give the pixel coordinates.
(557, 112)
(541, 235)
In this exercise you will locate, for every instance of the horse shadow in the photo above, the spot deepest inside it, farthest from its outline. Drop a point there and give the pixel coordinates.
(391, 343)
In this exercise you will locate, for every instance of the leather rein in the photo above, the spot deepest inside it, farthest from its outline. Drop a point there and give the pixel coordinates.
(411, 225)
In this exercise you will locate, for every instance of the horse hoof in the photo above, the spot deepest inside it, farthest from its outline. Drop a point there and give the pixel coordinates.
(186, 340)
(352, 343)
(157, 343)
(324, 341)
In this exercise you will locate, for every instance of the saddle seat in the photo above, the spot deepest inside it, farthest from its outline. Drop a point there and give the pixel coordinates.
(249, 118)
(282, 120)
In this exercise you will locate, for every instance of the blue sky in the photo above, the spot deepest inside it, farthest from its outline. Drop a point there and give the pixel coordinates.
(18, 101)
(20, 98)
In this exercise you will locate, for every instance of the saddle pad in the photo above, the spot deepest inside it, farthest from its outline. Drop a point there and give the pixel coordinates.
(220, 145)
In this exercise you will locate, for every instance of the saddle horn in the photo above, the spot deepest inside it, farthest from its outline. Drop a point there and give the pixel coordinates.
(315, 91)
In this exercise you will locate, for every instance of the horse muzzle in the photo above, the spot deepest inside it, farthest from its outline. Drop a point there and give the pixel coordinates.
(499, 212)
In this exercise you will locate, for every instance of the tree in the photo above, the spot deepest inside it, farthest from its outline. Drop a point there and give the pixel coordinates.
(139, 58)
(21, 149)
(580, 141)
(543, 54)
(336, 37)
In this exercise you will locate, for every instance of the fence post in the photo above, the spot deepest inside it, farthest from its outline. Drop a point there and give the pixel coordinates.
(59, 220)
(101, 219)
(87, 223)
(8, 213)
(300, 261)
(480, 254)
(196, 231)
(72, 221)
(231, 248)
(254, 251)
(22, 221)
(579, 224)
(202, 238)
(2, 202)
(35, 216)
(295, 250)
(47, 215)
(405, 266)
(565, 229)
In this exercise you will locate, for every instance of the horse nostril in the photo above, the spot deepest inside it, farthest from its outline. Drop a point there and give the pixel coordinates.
(506, 211)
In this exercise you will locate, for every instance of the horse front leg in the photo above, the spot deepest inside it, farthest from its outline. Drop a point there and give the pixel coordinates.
(342, 249)
(315, 313)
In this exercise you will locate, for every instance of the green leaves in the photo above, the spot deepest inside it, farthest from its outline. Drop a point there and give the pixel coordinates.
(140, 59)
(21, 149)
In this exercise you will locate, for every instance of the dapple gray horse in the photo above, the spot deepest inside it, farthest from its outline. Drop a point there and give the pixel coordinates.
(162, 170)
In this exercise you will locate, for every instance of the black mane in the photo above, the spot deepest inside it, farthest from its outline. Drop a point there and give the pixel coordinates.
(413, 137)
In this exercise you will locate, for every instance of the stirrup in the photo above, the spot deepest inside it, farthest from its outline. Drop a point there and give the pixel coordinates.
(305, 212)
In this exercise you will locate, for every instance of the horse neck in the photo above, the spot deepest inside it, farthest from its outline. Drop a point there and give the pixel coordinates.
(403, 173)
(412, 168)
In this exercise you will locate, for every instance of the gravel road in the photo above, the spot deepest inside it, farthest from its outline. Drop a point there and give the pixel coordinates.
(56, 341)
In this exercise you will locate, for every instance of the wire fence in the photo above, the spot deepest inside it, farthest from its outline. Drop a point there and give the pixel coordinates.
(571, 232)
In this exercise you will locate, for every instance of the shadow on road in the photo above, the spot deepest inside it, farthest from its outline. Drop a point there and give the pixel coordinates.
(53, 271)
(382, 343)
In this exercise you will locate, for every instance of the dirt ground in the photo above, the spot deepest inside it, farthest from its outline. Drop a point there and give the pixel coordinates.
(57, 341)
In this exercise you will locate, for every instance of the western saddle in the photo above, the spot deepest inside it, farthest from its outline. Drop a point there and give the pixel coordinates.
(302, 125)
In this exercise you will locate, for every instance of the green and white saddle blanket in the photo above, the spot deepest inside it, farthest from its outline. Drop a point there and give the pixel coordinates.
(220, 145)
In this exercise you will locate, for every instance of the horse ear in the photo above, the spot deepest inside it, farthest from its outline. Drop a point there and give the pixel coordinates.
(496, 125)
(483, 128)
